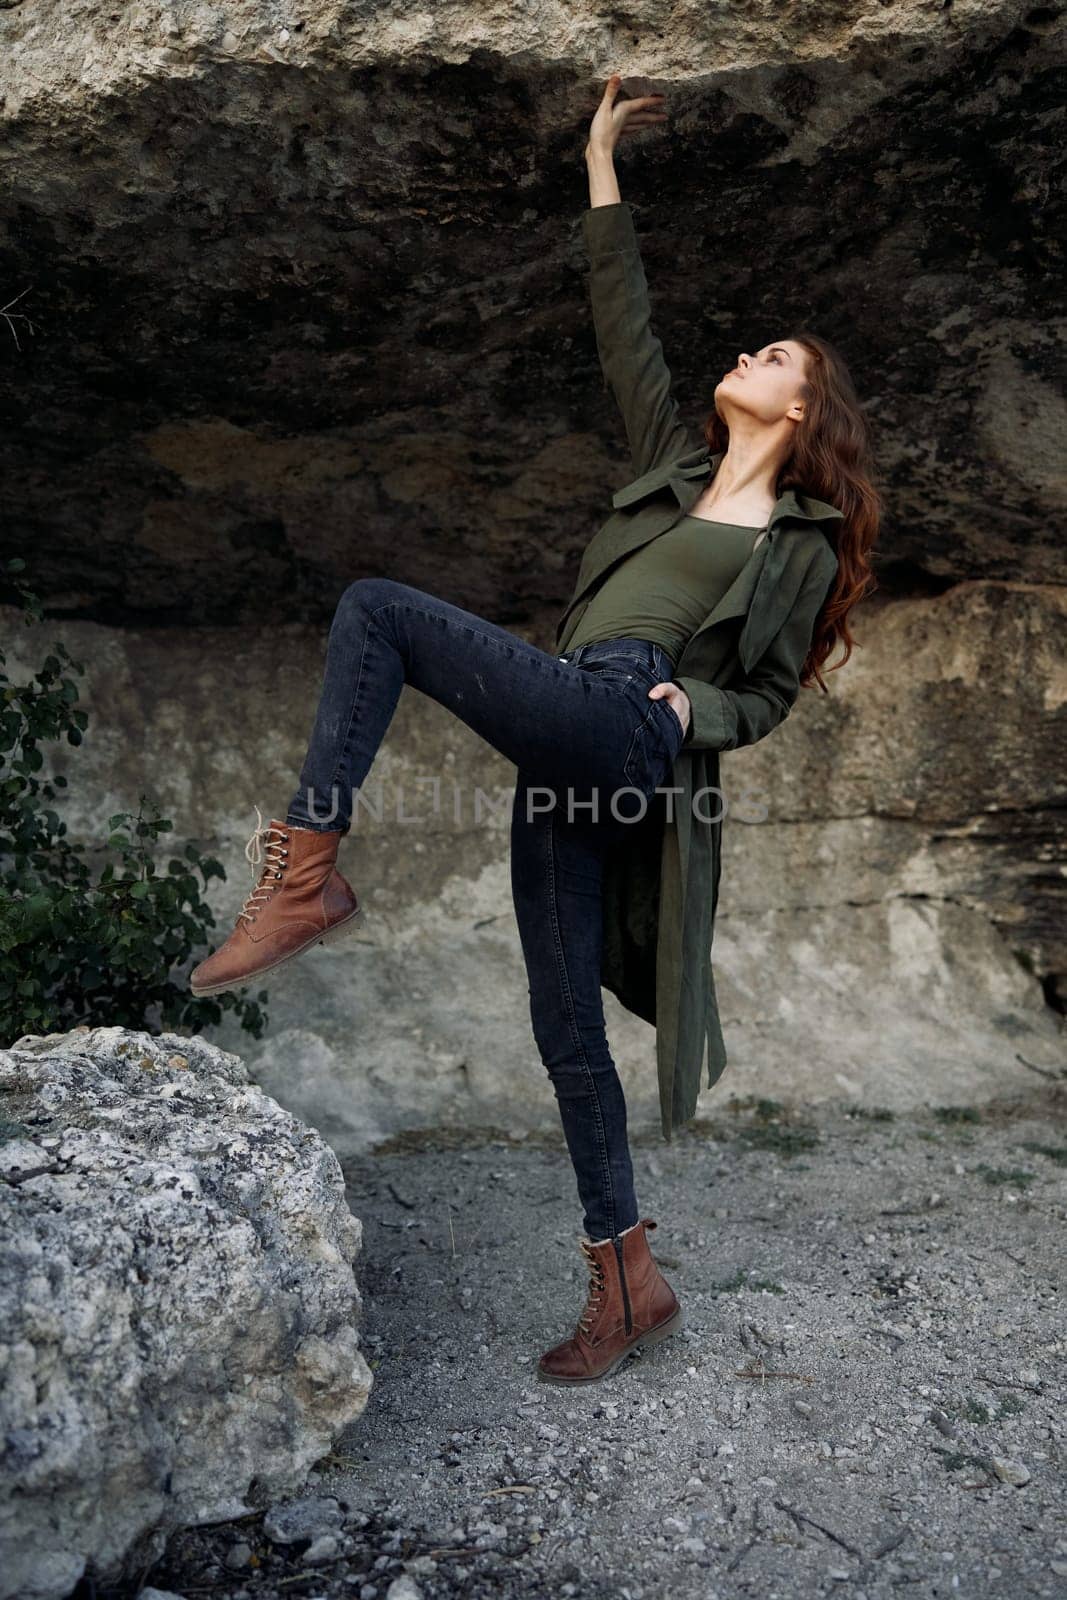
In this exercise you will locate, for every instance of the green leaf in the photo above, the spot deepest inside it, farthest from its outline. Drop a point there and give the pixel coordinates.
(85, 939)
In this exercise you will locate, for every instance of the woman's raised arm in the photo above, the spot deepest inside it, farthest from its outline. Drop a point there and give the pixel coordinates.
(631, 356)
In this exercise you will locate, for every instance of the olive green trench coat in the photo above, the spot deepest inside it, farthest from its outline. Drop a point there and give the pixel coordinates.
(740, 669)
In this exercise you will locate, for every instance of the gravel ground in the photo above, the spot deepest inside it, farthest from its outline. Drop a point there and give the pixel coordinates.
(867, 1399)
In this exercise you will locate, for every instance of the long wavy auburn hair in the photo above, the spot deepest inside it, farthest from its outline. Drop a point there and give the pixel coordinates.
(831, 460)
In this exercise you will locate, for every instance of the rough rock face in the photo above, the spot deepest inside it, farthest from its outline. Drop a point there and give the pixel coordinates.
(312, 306)
(890, 898)
(178, 1310)
(311, 292)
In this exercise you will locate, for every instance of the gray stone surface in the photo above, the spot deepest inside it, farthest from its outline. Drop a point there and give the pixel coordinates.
(891, 911)
(178, 1308)
(867, 1397)
(346, 347)
(310, 305)
(310, 287)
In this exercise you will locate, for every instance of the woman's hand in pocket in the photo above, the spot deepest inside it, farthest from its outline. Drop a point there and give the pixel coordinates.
(678, 701)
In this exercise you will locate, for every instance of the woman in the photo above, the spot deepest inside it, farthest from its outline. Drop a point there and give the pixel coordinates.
(701, 605)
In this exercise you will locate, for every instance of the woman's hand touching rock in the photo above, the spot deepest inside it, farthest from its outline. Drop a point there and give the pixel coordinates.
(614, 118)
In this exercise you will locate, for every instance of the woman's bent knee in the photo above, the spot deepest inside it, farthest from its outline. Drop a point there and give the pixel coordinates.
(370, 594)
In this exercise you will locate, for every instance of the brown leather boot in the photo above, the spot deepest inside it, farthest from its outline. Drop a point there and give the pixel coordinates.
(300, 900)
(630, 1303)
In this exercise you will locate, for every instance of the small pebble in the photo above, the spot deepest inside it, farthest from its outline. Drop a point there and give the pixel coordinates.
(324, 1548)
(403, 1588)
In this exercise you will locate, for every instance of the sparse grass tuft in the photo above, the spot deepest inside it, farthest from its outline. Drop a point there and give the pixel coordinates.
(1017, 1177)
(1054, 1152)
(956, 1460)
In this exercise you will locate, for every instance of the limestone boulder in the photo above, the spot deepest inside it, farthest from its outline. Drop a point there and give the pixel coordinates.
(179, 1313)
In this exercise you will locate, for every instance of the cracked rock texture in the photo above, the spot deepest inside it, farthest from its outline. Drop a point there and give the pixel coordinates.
(178, 1308)
(311, 289)
(312, 306)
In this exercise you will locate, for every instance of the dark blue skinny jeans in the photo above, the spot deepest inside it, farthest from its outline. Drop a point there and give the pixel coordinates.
(590, 747)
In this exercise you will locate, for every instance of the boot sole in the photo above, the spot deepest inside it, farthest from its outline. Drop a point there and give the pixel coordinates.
(662, 1330)
(340, 930)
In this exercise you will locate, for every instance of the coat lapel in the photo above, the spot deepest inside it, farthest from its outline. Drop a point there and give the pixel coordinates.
(778, 580)
(764, 589)
(683, 476)
(679, 473)
(739, 599)
(620, 542)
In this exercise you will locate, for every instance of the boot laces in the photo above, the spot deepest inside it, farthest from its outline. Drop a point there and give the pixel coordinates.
(266, 852)
(596, 1289)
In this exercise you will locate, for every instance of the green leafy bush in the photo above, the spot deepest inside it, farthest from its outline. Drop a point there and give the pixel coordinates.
(91, 934)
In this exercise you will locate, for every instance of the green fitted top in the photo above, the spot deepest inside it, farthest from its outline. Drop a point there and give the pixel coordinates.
(665, 589)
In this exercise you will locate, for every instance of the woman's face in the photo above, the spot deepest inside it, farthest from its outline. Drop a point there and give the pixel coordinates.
(766, 385)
